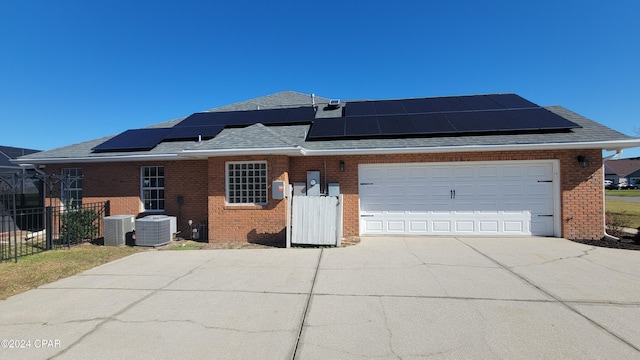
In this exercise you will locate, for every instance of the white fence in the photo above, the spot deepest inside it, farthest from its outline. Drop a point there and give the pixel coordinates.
(316, 220)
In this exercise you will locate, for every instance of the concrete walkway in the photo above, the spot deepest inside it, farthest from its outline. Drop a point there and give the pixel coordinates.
(386, 298)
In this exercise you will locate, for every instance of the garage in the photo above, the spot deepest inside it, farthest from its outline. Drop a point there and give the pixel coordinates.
(506, 198)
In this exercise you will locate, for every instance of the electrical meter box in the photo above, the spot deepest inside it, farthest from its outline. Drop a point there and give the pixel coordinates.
(333, 189)
(299, 189)
(313, 183)
(277, 190)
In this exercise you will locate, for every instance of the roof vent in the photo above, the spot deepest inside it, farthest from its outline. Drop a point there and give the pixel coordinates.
(334, 103)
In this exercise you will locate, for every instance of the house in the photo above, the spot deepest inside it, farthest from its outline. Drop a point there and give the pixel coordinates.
(493, 164)
(623, 171)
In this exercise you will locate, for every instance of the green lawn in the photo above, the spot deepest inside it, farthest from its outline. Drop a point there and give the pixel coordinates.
(622, 192)
(629, 212)
(39, 269)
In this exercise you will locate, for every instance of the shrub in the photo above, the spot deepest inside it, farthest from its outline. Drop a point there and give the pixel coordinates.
(78, 225)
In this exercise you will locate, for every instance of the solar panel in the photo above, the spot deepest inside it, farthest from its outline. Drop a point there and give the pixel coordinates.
(327, 128)
(389, 107)
(542, 119)
(304, 114)
(193, 132)
(469, 122)
(512, 101)
(362, 126)
(446, 104)
(434, 123)
(396, 125)
(419, 106)
(480, 102)
(360, 108)
(133, 140)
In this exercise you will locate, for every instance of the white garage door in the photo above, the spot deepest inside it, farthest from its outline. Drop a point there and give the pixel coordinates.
(471, 198)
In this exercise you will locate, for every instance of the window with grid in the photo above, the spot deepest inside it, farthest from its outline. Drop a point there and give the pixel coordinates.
(152, 187)
(71, 187)
(247, 183)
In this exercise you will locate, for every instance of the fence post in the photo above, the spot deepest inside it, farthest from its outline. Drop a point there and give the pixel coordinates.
(49, 227)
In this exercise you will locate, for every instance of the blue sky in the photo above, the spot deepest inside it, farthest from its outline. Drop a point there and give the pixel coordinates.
(72, 71)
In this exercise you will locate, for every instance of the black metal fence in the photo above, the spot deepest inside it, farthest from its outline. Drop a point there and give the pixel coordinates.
(29, 231)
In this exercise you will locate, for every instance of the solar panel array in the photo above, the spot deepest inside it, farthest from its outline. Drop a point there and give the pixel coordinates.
(204, 126)
(440, 116)
(444, 116)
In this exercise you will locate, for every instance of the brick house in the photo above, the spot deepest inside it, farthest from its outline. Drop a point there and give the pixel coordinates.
(492, 164)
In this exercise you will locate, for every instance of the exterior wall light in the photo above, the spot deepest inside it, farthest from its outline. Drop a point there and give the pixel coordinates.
(583, 161)
(341, 165)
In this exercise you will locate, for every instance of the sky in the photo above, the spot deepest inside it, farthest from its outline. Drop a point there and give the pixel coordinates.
(72, 71)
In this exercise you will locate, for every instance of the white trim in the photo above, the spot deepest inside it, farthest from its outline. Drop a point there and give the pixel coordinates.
(300, 151)
(605, 145)
(95, 159)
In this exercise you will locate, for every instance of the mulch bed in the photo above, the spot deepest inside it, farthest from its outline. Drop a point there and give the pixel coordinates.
(626, 242)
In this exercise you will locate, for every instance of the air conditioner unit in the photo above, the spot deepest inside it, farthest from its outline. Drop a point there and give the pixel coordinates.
(116, 228)
(172, 219)
(154, 230)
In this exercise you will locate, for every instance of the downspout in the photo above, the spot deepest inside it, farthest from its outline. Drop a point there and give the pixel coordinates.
(604, 199)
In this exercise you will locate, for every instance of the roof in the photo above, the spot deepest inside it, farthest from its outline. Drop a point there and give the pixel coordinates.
(292, 139)
(7, 153)
(622, 167)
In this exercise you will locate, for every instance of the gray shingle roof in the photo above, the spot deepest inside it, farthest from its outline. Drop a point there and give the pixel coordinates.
(260, 137)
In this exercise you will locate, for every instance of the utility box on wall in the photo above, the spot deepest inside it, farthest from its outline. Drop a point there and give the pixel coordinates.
(313, 183)
(333, 189)
(277, 190)
(299, 189)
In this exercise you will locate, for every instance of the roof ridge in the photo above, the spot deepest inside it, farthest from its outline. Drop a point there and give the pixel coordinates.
(284, 139)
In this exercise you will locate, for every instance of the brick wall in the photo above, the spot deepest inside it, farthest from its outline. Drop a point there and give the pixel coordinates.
(120, 183)
(582, 207)
(238, 223)
(202, 184)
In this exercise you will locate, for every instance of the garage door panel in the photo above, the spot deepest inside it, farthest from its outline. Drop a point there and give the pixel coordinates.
(479, 198)
(489, 226)
(418, 226)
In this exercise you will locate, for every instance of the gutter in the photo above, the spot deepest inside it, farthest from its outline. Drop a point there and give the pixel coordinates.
(94, 159)
(301, 151)
(475, 148)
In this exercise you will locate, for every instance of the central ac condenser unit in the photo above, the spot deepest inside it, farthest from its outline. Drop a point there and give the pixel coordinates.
(154, 230)
(116, 228)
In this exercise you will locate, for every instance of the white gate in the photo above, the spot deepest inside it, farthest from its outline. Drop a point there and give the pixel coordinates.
(316, 220)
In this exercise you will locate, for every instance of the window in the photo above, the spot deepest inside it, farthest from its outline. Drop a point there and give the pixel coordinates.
(247, 183)
(152, 187)
(71, 187)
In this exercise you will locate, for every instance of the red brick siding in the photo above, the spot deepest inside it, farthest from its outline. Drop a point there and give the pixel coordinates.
(120, 183)
(581, 189)
(233, 223)
(202, 183)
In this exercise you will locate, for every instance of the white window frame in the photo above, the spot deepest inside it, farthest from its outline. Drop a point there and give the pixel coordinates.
(241, 181)
(153, 184)
(71, 185)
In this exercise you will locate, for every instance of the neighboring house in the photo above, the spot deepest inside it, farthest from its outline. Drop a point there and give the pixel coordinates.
(493, 164)
(623, 171)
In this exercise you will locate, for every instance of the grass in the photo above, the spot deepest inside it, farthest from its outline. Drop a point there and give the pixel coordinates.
(628, 211)
(39, 269)
(626, 193)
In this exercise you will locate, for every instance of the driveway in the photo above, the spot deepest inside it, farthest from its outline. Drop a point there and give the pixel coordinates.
(386, 298)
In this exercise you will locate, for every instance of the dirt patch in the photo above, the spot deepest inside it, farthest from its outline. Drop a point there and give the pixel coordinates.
(181, 244)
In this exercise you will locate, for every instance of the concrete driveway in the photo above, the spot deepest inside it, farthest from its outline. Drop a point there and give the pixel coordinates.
(386, 298)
